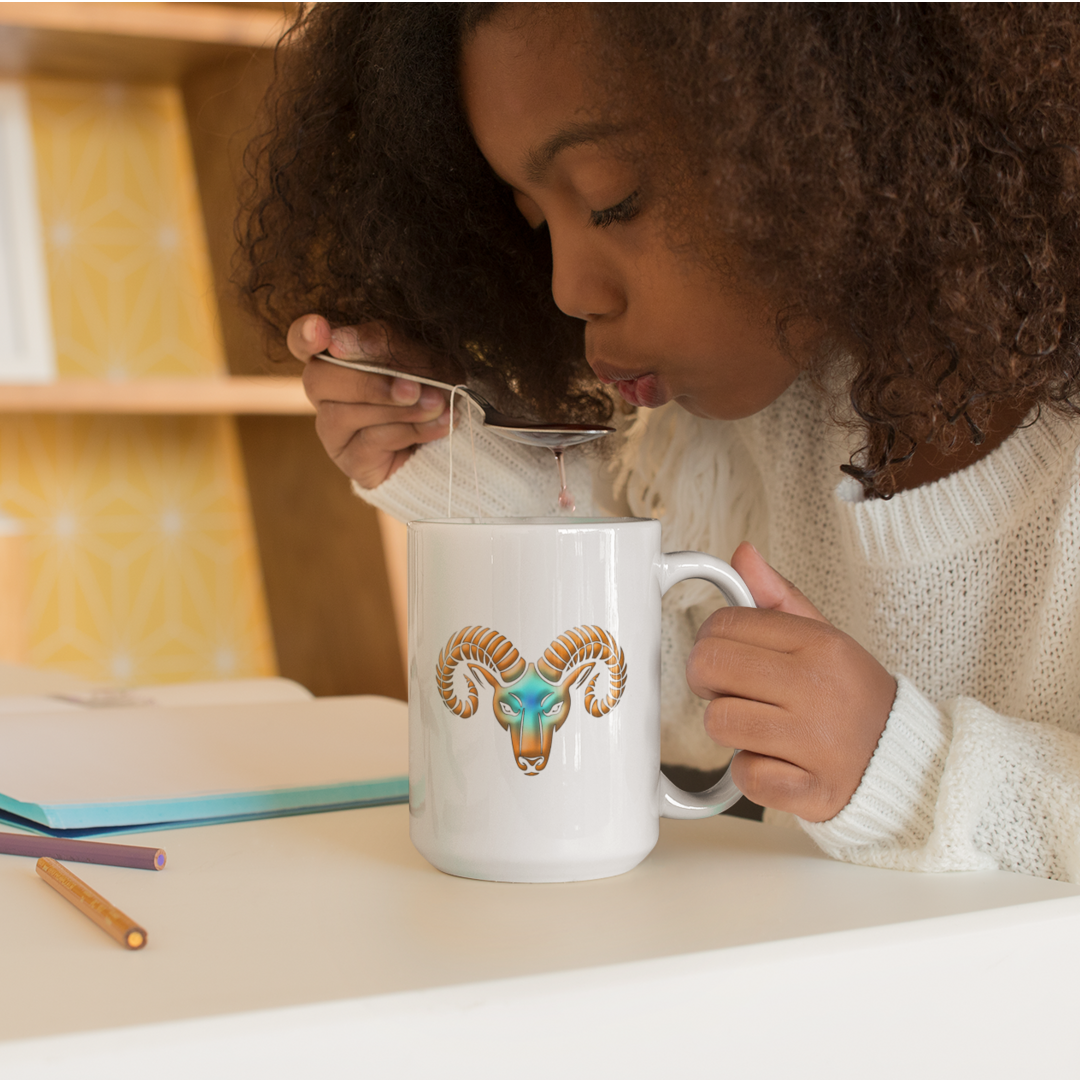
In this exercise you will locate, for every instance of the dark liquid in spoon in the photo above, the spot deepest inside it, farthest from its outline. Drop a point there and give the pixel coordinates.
(566, 499)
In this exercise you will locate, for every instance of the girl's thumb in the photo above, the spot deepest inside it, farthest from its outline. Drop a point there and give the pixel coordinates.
(768, 588)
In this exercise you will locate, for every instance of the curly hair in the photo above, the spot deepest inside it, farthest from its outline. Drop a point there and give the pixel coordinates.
(903, 175)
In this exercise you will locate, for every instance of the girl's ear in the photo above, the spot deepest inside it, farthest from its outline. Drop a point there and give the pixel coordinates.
(768, 588)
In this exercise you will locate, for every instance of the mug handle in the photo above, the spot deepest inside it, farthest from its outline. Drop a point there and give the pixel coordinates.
(676, 566)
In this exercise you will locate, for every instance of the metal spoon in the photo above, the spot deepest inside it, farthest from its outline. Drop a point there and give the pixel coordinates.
(551, 436)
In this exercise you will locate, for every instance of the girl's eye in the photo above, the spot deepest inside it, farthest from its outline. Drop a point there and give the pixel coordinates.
(622, 212)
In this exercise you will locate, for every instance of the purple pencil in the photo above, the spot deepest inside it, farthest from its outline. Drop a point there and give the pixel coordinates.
(88, 851)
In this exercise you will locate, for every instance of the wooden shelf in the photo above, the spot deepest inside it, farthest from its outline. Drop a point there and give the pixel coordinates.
(262, 395)
(320, 548)
(132, 42)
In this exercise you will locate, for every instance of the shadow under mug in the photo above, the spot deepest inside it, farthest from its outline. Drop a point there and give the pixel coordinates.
(534, 695)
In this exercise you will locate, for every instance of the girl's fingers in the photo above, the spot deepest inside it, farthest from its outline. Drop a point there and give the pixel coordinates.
(803, 700)
(722, 666)
(750, 725)
(383, 438)
(325, 382)
(308, 335)
(769, 588)
(336, 422)
(770, 781)
(369, 424)
(370, 473)
(774, 630)
(336, 430)
(312, 334)
(373, 454)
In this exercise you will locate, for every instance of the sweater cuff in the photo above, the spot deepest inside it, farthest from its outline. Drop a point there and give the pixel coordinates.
(894, 804)
(491, 477)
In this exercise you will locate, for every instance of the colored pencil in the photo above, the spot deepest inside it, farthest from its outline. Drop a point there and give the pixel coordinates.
(92, 904)
(138, 858)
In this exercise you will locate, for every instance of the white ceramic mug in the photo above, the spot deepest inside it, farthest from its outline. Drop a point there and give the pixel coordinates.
(534, 695)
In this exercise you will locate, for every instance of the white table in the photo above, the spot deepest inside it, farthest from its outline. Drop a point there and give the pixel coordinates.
(325, 943)
(277, 948)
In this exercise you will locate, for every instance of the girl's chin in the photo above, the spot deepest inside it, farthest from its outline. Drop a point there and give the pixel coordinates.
(696, 407)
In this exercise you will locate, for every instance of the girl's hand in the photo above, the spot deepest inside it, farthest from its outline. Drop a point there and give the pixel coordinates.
(804, 702)
(370, 425)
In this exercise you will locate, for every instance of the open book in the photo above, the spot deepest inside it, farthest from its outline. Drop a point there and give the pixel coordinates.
(166, 761)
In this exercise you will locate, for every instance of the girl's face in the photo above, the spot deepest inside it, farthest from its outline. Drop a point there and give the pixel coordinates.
(660, 325)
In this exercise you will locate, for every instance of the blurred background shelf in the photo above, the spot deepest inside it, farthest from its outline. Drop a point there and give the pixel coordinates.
(322, 556)
(134, 42)
(237, 395)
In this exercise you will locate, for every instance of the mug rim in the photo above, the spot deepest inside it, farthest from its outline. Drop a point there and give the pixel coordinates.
(560, 522)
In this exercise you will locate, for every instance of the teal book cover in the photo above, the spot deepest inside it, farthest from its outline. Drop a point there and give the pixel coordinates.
(109, 770)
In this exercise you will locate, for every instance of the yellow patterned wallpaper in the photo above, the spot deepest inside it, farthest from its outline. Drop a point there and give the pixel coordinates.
(142, 555)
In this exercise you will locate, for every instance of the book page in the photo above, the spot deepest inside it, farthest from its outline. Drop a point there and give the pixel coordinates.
(82, 768)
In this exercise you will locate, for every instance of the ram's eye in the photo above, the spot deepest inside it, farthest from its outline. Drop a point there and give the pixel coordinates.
(508, 710)
(552, 709)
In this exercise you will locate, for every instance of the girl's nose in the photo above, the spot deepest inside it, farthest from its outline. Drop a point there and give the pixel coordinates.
(583, 284)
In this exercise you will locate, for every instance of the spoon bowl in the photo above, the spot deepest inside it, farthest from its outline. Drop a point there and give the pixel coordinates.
(529, 432)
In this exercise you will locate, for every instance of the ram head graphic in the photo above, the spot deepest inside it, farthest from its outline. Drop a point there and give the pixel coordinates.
(532, 700)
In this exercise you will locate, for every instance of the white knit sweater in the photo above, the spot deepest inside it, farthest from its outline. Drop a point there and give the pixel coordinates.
(968, 590)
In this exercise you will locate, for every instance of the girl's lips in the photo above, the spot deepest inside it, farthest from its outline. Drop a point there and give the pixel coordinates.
(644, 391)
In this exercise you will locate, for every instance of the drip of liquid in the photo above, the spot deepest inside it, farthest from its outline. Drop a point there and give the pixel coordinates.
(566, 499)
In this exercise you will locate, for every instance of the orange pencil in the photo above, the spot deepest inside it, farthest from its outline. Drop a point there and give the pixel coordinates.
(92, 904)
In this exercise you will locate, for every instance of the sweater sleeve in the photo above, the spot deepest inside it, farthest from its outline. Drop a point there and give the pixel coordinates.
(960, 787)
(480, 474)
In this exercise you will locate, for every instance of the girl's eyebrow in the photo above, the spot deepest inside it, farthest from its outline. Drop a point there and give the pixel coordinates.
(538, 160)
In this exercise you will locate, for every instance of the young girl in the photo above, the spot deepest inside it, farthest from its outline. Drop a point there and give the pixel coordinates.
(798, 242)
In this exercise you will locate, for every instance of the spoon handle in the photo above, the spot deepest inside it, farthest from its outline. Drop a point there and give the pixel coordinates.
(378, 369)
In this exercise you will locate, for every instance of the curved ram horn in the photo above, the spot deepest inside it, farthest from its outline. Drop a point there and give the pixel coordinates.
(587, 643)
(483, 646)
